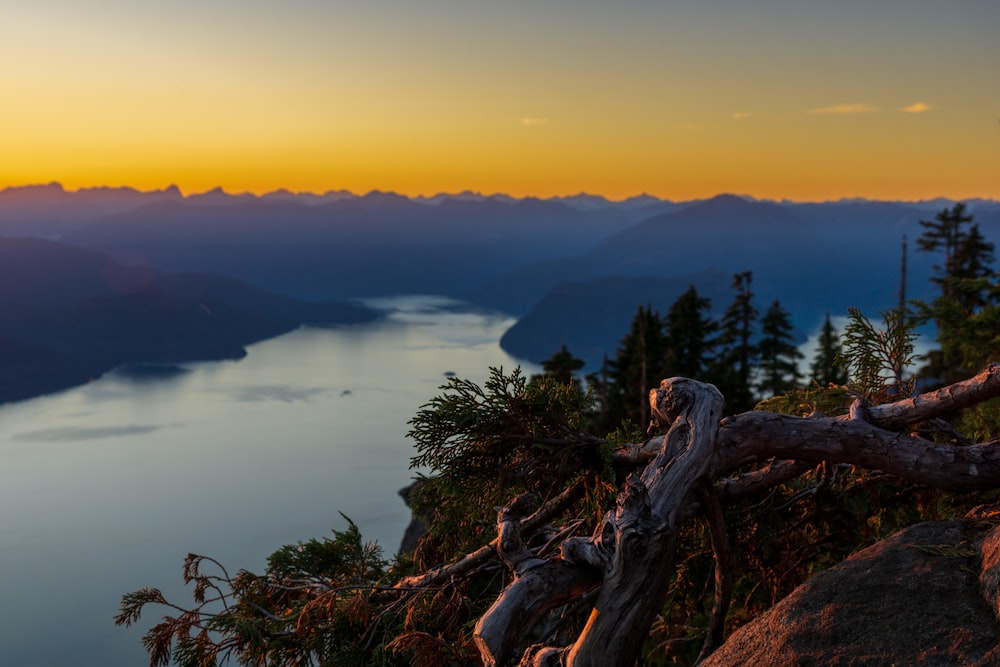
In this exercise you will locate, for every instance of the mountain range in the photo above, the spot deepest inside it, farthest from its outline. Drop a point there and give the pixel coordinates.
(70, 314)
(95, 263)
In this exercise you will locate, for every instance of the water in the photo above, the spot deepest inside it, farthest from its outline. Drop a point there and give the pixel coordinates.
(105, 488)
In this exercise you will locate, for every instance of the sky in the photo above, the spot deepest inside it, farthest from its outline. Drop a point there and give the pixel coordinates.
(779, 99)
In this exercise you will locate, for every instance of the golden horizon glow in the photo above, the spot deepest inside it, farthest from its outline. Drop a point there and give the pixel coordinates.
(681, 102)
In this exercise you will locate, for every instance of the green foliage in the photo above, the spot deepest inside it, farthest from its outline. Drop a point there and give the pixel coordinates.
(830, 401)
(778, 355)
(330, 602)
(982, 422)
(968, 340)
(562, 365)
(967, 311)
(826, 368)
(967, 255)
(483, 445)
(877, 358)
(689, 331)
(639, 364)
(311, 606)
(467, 430)
(737, 356)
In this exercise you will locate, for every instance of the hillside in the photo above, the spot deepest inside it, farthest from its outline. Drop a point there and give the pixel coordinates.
(70, 315)
(814, 258)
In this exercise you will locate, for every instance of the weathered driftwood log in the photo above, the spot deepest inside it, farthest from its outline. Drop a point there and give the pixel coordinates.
(632, 550)
(630, 556)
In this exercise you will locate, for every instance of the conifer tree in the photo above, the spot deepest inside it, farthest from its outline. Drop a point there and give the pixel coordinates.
(778, 354)
(637, 366)
(562, 365)
(973, 261)
(945, 233)
(731, 372)
(689, 335)
(964, 311)
(825, 369)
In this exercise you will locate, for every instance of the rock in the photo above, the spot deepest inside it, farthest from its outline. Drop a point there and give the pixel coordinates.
(914, 598)
(416, 529)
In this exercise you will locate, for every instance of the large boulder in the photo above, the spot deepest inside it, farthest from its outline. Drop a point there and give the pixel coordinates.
(927, 595)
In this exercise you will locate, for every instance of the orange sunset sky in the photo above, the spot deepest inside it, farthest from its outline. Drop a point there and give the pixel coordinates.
(889, 99)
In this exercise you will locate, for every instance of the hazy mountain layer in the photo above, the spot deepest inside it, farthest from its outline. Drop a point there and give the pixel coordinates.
(569, 265)
(69, 315)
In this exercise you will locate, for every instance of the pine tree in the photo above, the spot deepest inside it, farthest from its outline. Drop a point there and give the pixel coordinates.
(778, 354)
(562, 365)
(731, 372)
(637, 367)
(964, 311)
(945, 233)
(689, 336)
(825, 369)
(972, 264)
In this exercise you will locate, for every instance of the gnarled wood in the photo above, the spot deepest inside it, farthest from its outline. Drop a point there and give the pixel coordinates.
(632, 549)
(984, 386)
(630, 555)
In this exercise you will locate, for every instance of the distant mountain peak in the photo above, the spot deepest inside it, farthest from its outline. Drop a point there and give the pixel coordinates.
(730, 203)
(730, 198)
(52, 189)
(382, 196)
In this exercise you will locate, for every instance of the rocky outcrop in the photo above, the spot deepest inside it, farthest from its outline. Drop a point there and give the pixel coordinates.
(927, 595)
(417, 527)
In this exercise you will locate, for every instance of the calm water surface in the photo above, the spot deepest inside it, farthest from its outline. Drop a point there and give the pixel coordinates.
(105, 488)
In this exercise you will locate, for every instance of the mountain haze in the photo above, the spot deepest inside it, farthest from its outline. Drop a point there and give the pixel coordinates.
(575, 268)
(70, 315)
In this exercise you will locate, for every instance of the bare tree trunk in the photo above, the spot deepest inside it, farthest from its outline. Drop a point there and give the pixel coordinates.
(633, 548)
(631, 555)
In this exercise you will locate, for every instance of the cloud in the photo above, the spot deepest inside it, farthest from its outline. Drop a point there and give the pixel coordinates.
(917, 107)
(846, 109)
(740, 115)
(534, 120)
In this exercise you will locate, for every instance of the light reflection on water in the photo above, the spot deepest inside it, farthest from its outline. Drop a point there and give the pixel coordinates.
(105, 488)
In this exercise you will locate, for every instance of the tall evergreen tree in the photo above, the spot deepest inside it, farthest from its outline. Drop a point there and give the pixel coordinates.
(964, 310)
(637, 367)
(731, 372)
(944, 234)
(972, 266)
(967, 255)
(562, 365)
(689, 336)
(826, 369)
(779, 370)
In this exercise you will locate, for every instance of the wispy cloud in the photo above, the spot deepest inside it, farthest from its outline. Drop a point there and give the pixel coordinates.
(534, 120)
(846, 109)
(917, 107)
(740, 115)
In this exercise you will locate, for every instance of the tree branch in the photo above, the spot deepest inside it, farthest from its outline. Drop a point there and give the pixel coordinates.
(543, 515)
(631, 553)
(984, 386)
